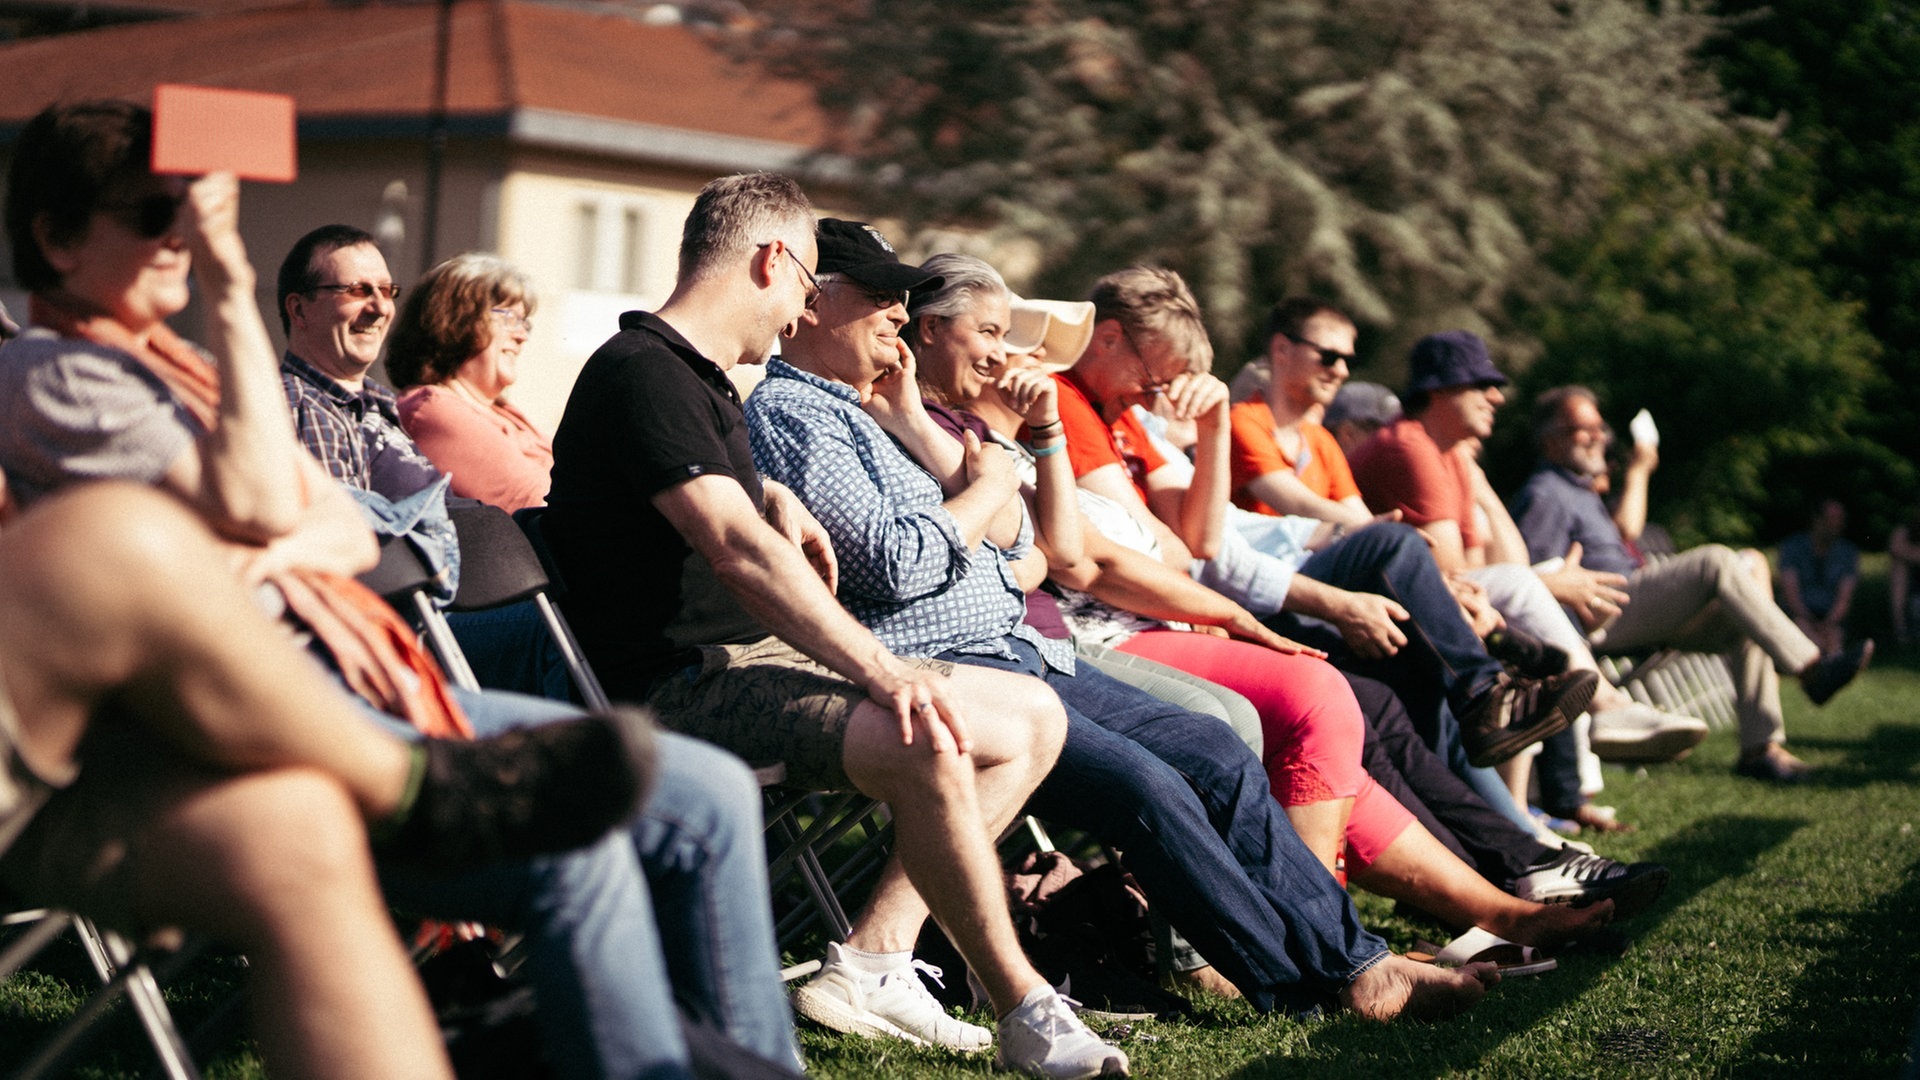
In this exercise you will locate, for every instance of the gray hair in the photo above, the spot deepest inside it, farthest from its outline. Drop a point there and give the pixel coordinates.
(963, 280)
(735, 214)
(1549, 409)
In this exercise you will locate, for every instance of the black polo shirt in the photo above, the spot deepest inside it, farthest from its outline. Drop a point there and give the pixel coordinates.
(647, 413)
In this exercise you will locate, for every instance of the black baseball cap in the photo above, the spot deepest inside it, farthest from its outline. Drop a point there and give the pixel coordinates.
(857, 249)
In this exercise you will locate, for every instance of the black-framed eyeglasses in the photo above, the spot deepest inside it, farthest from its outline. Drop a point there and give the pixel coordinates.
(360, 290)
(1327, 357)
(880, 298)
(812, 283)
(150, 216)
(1148, 384)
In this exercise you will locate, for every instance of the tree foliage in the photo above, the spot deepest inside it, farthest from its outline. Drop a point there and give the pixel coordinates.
(1563, 176)
(1843, 79)
(1410, 160)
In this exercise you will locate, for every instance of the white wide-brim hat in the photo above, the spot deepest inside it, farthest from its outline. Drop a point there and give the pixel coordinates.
(1063, 326)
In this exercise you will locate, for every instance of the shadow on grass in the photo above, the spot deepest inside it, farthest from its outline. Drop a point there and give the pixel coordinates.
(1700, 855)
(1853, 1008)
(1890, 753)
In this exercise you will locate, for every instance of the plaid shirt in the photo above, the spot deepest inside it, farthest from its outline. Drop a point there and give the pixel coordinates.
(356, 435)
(905, 570)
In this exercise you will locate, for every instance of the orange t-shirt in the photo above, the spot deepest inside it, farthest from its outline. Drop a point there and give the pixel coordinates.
(1091, 443)
(1401, 468)
(1256, 453)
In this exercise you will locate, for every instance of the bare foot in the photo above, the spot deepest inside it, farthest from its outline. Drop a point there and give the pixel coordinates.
(1397, 987)
(1545, 925)
(1600, 818)
(1207, 979)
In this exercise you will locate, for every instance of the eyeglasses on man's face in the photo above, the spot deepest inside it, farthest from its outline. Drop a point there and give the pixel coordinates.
(881, 299)
(359, 290)
(807, 279)
(1148, 384)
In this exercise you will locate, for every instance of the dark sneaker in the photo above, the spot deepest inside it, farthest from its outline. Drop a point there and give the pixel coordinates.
(530, 791)
(1516, 713)
(1830, 674)
(1526, 654)
(1574, 877)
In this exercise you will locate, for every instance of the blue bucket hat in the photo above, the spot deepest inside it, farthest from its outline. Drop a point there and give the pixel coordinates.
(1451, 358)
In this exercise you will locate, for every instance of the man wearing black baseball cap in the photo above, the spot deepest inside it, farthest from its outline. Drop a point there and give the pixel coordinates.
(709, 594)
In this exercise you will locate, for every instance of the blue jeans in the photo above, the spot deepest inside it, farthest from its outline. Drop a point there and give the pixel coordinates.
(675, 907)
(1188, 804)
(1443, 665)
(509, 649)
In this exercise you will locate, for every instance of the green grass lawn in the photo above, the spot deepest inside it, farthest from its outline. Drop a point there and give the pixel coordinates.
(1788, 939)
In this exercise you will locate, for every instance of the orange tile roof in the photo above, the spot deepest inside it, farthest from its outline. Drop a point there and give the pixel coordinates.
(375, 60)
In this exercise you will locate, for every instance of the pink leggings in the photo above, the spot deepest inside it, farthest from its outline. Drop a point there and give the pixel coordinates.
(1311, 722)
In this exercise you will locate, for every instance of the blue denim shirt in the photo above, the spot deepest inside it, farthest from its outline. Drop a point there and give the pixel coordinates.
(905, 570)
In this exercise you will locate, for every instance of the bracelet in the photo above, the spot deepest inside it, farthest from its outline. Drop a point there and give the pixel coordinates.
(1035, 429)
(1049, 451)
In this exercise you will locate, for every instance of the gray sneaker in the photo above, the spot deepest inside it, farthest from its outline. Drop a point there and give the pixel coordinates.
(1641, 733)
(1042, 1037)
(894, 1005)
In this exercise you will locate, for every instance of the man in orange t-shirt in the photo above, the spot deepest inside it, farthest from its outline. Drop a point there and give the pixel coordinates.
(1283, 461)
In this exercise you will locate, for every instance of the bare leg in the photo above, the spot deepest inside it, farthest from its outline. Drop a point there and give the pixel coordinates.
(947, 809)
(1418, 869)
(119, 586)
(281, 871)
(1322, 827)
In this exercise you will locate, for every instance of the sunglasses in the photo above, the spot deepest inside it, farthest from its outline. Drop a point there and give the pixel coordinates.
(363, 290)
(150, 216)
(1327, 357)
(880, 298)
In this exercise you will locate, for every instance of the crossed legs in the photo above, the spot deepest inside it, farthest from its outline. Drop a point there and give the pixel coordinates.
(114, 596)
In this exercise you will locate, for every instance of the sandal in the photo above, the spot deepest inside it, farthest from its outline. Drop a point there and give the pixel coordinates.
(1478, 946)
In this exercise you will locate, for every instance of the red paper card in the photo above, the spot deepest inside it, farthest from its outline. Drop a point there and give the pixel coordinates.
(203, 129)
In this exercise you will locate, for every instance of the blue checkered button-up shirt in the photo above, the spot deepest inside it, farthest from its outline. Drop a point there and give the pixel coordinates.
(905, 570)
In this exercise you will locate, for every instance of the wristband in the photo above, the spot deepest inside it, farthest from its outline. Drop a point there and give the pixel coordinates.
(1049, 451)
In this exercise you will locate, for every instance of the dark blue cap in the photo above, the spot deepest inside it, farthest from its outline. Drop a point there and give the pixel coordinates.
(1451, 358)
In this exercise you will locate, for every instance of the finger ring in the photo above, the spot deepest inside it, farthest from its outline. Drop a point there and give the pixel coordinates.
(925, 705)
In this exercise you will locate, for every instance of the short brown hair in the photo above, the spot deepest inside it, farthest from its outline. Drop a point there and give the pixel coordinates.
(1154, 304)
(69, 159)
(734, 214)
(445, 320)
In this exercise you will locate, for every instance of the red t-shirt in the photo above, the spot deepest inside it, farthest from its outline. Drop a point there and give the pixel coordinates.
(1091, 443)
(1256, 453)
(1402, 468)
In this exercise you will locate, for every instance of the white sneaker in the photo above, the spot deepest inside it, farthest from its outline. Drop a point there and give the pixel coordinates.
(1042, 1037)
(1642, 733)
(893, 1005)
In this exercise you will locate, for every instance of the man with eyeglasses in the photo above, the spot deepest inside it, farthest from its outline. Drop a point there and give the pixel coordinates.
(709, 593)
(1703, 598)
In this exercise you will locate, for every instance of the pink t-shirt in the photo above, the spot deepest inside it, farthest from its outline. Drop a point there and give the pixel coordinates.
(493, 453)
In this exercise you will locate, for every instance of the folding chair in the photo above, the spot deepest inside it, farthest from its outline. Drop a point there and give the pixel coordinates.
(401, 579)
(499, 565)
(794, 848)
(122, 971)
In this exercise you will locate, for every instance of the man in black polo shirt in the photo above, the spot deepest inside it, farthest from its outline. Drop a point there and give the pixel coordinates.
(699, 589)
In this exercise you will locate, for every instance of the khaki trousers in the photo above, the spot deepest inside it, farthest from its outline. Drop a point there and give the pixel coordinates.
(1704, 600)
